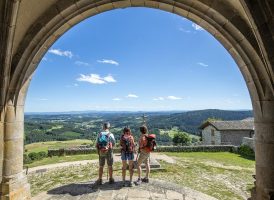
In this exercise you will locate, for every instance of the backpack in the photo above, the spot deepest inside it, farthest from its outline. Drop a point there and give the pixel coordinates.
(104, 143)
(151, 142)
(127, 144)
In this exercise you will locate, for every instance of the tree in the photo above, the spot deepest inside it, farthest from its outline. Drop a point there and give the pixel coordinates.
(181, 138)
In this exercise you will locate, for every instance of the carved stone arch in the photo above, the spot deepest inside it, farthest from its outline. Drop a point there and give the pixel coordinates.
(245, 28)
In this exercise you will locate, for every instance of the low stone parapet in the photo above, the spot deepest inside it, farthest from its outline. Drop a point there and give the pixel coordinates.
(200, 148)
(249, 142)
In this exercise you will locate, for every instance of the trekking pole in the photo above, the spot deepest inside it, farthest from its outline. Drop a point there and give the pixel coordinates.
(107, 171)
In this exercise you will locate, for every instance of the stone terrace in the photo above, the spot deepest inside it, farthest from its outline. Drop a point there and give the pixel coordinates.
(154, 190)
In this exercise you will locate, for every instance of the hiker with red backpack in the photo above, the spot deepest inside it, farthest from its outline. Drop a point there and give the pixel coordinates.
(146, 145)
(127, 153)
(105, 142)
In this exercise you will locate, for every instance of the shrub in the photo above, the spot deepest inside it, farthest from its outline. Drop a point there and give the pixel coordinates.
(37, 156)
(42, 154)
(26, 159)
(246, 151)
(33, 156)
(181, 138)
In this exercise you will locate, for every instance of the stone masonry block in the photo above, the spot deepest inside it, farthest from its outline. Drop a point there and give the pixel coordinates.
(12, 166)
(121, 4)
(166, 7)
(14, 131)
(13, 148)
(14, 114)
(263, 111)
(265, 155)
(105, 7)
(137, 3)
(152, 4)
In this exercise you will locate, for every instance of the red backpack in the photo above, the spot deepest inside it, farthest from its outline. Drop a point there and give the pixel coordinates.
(127, 144)
(151, 142)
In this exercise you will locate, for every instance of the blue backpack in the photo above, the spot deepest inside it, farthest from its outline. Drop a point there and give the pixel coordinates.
(104, 143)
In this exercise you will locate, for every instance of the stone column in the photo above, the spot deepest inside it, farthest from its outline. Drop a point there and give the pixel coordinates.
(1, 147)
(14, 183)
(264, 141)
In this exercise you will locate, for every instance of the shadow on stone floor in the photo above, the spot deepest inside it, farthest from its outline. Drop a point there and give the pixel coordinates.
(77, 189)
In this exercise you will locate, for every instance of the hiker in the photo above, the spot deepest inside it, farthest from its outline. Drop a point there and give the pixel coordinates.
(127, 153)
(105, 142)
(144, 154)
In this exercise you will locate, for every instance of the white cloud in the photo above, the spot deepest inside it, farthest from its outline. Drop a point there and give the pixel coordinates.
(116, 99)
(42, 99)
(109, 79)
(132, 96)
(184, 30)
(73, 85)
(202, 64)
(105, 61)
(96, 79)
(173, 98)
(80, 63)
(159, 99)
(197, 27)
(61, 53)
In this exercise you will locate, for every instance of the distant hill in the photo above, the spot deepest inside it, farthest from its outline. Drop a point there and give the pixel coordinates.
(191, 120)
(86, 125)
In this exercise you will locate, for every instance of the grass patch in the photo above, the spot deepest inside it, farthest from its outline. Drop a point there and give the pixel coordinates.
(71, 134)
(224, 158)
(44, 146)
(62, 159)
(222, 175)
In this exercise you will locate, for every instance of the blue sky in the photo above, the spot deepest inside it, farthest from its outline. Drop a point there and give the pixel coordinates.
(136, 59)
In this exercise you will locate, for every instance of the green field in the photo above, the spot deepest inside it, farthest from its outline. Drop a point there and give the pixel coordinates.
(44, 146)
(175, 130)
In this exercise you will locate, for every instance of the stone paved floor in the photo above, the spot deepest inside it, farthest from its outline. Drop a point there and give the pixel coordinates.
(155, 190)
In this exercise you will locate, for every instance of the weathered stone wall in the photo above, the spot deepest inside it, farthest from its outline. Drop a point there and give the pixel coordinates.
(234, 137)
(249, 142)
(207, 136)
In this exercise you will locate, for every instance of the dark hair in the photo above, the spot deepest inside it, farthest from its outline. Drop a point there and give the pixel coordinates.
(106, 125)
(126, 129)
(143, 129)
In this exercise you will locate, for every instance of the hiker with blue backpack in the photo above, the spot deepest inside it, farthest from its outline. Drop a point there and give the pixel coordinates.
(105, 142)
(127, 153)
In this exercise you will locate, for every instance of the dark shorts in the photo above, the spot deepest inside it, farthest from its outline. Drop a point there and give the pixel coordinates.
(127, 156)
(108, 156)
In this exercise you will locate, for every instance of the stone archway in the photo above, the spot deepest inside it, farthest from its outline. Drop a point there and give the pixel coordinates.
(30, 27)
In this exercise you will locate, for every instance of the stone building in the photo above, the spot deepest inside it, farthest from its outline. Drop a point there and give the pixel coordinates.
(28, 28)
(226, 132)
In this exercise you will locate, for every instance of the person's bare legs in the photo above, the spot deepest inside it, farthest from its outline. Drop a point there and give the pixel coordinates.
(101, 169)
(130, 163)
(139, 170)
(124, 169)
(147, 168)
(110, 171)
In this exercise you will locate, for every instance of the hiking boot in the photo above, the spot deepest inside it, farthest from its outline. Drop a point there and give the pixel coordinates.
(139, 181)
(124, 184)
(99, 182)
(145, 180)
(130, 184)
(111, 180)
